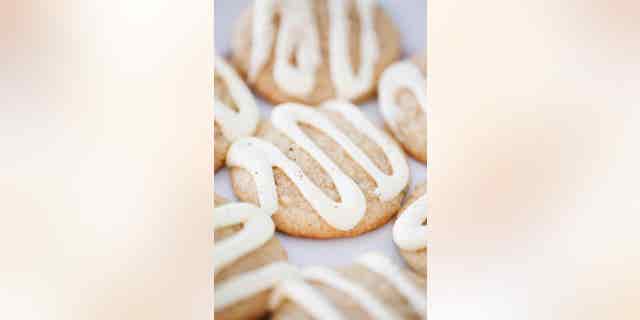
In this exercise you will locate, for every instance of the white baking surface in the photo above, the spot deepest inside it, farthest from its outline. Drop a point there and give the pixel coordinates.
(410, 17)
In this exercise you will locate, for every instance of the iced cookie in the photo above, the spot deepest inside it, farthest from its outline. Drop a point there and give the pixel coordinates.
(322, 172)
(248, 260)
(410, 231)
(372, 288)
(235, 111)
(310, 51)
(402, 96)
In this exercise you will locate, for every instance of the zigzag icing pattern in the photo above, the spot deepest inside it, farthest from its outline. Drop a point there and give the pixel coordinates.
(258, 157)
(304, 295)
(398, 76)
(258, 228)
(384, 267)
(251, 283)
(298, 35)
(408, 231)
(235, 125)
(320, 307)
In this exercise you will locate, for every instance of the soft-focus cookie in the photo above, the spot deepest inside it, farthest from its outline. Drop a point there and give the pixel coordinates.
(248, 260)
(310, 51)
(410, 230)
(322, 172)
(235, 111)
(372, 288)
(402, 96)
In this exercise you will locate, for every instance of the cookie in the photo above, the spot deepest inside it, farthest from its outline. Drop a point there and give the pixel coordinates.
(248, 260)
(235, 111)
(402, 96)
(410, 231)
(310, 51)
(372, 288)
(322, 172)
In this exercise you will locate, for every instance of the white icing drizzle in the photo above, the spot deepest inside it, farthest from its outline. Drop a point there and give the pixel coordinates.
(304, 295)
(347, 84)
(320, 307)
(400, 75)
(257, 229)
(298, 35)
(258, 157)
(250, 283)
(408, 231)
(384, 267)
(369, 302)
(387, 187)
(235, 124)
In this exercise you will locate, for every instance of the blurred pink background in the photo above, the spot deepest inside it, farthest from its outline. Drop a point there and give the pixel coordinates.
(534, 152)
(104, 174)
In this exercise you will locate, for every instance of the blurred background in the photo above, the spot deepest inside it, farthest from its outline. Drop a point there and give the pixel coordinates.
(534, 156)
(104, 159)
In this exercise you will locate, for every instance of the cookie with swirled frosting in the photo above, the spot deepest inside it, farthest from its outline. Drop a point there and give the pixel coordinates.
(410, 231)
(371, 288)
(236, 114)
(310, 51)
(321, 172)
(248, 260)
(402, 96)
